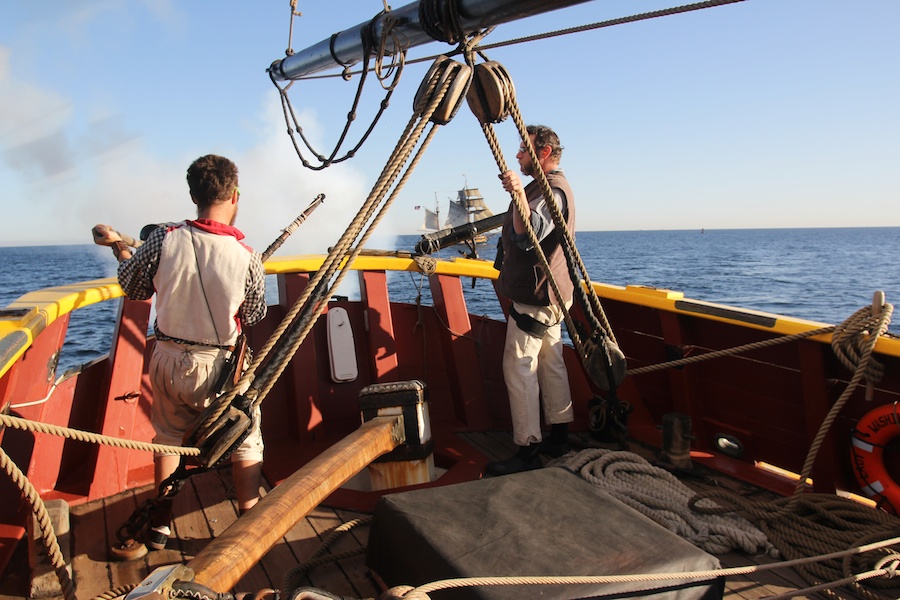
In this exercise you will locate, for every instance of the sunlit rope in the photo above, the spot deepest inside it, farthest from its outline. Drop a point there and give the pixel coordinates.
(48, 536)
(94, 438)
(420, 592)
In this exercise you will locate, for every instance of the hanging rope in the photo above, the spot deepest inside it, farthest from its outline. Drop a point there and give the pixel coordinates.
(380, 46)
(433, 95)
(492, 99)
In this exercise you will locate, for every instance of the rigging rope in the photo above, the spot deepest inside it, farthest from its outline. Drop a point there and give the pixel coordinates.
(93, 438)
(299, 321)
(492, 101)
(395, 69)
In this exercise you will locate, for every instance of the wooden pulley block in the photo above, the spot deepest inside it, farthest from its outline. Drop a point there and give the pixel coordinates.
(443, 70)
(222, 438)
(491, 93)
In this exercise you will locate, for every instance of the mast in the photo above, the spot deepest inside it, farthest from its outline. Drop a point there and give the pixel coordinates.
(347, 45)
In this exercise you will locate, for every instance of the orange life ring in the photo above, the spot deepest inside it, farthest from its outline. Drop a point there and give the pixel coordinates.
(871, 434)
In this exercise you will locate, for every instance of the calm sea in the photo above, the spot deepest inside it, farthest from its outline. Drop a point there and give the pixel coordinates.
(816, 274)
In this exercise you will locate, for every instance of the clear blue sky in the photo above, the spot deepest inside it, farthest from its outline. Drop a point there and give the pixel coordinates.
(765, 113)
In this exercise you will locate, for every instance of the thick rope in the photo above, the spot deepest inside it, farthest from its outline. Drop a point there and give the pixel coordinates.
(583, 290)
(810, 524)
(889, 569)
(48, 537)
(340, 252)
(118, 592)
(93, 438)
(660, 496)
(861, 369)
(340, 255)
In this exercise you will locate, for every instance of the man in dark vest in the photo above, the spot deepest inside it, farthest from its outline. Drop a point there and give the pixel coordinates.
(533, 364)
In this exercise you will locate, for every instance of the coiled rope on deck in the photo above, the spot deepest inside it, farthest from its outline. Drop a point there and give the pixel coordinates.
(809, 524)
(659, 495)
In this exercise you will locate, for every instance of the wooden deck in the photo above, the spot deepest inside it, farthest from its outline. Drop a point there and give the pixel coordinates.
(205, 507)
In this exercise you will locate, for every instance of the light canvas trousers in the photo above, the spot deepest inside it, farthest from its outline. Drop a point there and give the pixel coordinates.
(536, 375)
(182, 378)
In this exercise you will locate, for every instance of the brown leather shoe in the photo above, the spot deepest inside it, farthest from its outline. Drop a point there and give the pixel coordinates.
(131, 549)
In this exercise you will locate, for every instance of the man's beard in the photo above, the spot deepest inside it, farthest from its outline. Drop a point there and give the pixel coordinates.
(528, 169)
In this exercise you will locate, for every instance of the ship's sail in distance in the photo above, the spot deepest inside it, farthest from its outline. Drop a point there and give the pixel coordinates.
(432, 221)
(468, 207)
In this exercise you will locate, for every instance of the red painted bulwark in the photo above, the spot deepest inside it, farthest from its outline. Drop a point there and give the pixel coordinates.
(461, 351)
(126, 368)
(381, 345)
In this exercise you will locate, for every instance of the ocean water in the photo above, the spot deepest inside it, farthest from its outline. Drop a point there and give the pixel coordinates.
(817, 274)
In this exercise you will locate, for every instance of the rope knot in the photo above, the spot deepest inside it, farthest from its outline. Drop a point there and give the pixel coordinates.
(854, 339)
(426, 264)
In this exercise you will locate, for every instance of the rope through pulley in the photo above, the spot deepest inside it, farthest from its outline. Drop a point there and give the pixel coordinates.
(437, 100)
(492, 99)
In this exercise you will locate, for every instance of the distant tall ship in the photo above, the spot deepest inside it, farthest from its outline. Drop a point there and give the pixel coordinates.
(468, 207)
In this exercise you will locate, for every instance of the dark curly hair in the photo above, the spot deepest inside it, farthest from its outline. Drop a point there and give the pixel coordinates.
(544, 136)
(211, 178)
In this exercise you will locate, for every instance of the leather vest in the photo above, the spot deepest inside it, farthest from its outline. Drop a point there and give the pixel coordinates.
(522, 279)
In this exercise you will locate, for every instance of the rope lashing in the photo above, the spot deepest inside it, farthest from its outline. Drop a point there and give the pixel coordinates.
(440, 20)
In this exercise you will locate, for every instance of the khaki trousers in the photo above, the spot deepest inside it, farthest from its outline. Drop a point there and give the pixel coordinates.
(536, 375)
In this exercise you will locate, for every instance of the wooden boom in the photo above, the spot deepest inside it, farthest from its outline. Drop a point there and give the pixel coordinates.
(230, 556)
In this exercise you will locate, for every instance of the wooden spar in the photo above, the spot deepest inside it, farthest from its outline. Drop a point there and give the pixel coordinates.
(348, 48)
(230, 556)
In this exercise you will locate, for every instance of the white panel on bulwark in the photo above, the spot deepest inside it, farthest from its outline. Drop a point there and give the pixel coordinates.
(341, 352)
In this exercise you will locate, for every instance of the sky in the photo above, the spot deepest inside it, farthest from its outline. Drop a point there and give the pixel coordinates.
(760, 114)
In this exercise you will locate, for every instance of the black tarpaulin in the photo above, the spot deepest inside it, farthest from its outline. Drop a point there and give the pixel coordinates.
(538, 523)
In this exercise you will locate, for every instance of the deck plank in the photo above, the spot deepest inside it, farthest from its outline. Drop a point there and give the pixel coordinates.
(92, 576)
(189, 522)
(334, 579)
(118, 510)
